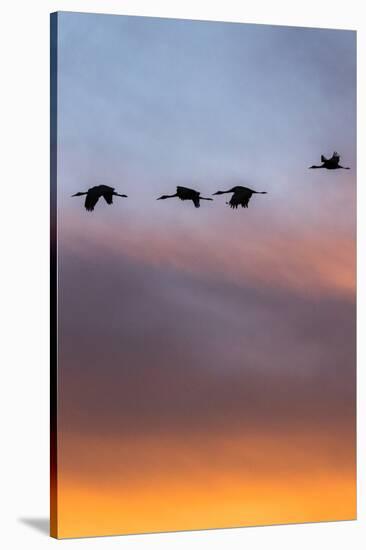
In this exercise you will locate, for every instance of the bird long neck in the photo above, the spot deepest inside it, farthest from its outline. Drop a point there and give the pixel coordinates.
(260, 192)
(170, 196)
(205, 199)
(322, 166)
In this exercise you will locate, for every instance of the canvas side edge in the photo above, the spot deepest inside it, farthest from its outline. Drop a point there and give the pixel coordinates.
(53, 278)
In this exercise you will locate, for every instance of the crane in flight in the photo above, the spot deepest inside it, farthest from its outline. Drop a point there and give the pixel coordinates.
(94, 193)
(241, 196)
(186, 194)
(331, 163)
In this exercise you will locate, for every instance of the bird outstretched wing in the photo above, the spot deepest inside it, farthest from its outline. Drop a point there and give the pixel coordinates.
(91, 200)
(240, 198)
(184, 193)
(196, 201)
(323, 158)
(108, 196)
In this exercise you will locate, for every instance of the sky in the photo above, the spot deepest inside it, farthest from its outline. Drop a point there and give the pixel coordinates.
(206, 357)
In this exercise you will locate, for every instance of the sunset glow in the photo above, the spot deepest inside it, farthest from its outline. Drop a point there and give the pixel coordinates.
(206, 356)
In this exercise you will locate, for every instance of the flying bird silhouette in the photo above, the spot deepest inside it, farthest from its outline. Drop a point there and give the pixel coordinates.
(330, 164)
(186, 194)
(241, 196)
(94, 193)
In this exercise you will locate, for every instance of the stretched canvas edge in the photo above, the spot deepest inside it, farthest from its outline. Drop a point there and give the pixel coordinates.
(53, 277)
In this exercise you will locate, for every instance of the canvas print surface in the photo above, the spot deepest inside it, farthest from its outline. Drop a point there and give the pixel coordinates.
(203, 274)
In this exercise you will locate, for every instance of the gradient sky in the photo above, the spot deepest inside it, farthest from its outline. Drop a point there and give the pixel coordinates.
(206, 356)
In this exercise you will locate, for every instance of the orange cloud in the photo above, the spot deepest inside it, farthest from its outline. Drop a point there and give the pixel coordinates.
(170, 483)
(304, 260)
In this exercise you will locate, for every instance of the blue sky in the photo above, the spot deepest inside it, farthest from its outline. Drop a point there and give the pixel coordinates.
(151, 103)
